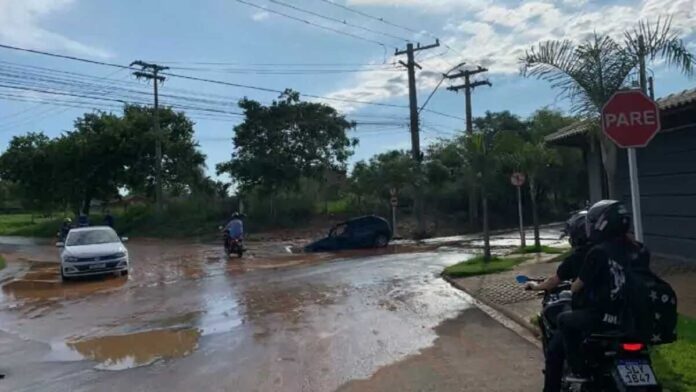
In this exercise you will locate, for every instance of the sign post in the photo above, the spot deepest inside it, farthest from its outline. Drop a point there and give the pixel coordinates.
(517, 179)
(394, 201)
(631, 119)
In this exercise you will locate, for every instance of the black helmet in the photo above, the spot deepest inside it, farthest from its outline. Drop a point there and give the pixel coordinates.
(575, 229)
(607, 219)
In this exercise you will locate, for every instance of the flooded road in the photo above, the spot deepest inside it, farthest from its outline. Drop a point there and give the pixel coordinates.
(188, 318)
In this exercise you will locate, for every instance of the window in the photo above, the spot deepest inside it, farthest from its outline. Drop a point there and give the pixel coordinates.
(91, 237)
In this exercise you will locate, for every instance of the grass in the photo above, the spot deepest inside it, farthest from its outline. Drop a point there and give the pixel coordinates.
(477, 266)
(3, 264)
(543, 249)
(675, 363)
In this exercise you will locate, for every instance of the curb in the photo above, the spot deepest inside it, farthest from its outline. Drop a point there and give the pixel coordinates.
(530, 330)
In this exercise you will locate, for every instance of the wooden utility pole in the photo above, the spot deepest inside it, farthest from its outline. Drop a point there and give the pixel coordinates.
(415, 133)
(150, 72)
(467, 87)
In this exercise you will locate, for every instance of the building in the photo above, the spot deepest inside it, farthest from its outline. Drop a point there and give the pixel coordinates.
(667, 175)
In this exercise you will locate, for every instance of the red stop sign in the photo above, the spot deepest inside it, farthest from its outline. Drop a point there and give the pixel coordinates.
(631, 119)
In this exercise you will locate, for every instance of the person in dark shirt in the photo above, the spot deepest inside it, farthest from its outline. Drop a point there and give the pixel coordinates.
(109, 219)
(570, 266)
(568, 270)
(600, 286)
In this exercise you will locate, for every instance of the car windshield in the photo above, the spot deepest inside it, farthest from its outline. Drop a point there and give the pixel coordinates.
(91, 237)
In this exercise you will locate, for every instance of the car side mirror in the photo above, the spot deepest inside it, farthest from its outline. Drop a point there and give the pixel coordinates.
(124, 239)
(60, 244)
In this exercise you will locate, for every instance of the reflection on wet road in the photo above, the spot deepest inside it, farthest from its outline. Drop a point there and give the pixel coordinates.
(189, 319)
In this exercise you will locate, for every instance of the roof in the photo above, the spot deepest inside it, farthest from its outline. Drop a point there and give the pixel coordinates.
(677, 99)
(669, 102)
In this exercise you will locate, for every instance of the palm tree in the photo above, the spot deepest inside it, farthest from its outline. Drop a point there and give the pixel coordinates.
(481, 157)
(590, 73)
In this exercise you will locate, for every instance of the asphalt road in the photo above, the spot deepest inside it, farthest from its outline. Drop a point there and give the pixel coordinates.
(188, 319)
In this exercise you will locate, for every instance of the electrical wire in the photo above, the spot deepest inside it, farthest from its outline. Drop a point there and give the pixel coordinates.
(257, 88)
(327, 28)
(309, 12)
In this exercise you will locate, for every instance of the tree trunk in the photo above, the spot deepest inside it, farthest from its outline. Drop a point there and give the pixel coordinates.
(609, 158)
(473, 207)
(486, 230)
(535, 212)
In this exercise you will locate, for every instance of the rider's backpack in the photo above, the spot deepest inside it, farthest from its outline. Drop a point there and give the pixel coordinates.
(650, 303)
(652, 306)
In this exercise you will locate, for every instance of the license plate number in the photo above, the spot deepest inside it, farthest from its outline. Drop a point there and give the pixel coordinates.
(636, 373)
(97, 266)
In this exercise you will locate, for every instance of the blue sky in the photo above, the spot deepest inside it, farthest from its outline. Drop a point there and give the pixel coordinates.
(179, 33)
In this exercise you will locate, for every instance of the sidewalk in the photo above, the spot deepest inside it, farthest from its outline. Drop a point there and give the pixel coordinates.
(502, 292)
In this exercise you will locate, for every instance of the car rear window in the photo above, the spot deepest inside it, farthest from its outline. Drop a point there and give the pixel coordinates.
(91, 237)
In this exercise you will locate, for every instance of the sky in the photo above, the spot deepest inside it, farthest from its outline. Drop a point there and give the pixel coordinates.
(351, 57)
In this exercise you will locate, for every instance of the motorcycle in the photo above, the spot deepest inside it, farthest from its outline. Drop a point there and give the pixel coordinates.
(615, 361)
(232, 245)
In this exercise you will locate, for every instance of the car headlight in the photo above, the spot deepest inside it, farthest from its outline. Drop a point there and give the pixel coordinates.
(119, 255)
(70, 259)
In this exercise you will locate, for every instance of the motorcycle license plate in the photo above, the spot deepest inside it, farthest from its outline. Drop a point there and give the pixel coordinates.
(97, 266)
(636, 373)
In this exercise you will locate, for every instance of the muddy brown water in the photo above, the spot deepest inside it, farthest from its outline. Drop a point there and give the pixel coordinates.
(188, 318)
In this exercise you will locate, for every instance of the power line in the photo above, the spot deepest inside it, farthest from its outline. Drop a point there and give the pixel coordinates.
(309, 12)
(366, 15)
(220, 82)
(327, 28)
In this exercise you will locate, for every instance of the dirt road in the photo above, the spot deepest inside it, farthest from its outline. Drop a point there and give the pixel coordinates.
(189, 319)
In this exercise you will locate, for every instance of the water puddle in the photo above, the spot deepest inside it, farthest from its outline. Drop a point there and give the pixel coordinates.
(121, 352)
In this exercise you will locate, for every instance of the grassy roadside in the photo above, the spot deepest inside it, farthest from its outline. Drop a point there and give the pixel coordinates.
(675, 363)
(543, 249)
(3, 263)
(477, 266)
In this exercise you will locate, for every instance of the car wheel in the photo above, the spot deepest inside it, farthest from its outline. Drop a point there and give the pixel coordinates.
(381, 241)
(124, 273)
(63, 277)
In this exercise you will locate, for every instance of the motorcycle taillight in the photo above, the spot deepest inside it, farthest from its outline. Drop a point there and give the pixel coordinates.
(632, 347)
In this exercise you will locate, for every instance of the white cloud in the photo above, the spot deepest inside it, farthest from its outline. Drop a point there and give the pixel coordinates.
(259, 16)
(20, 24)
(496, 36)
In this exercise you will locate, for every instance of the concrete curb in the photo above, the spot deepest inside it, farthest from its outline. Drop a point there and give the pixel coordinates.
(531, 333)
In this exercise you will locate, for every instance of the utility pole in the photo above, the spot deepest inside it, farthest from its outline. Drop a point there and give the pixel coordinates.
(467, 87)
(415, 133)
(151, 72)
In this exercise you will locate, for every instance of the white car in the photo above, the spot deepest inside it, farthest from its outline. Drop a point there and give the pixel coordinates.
(93, 250)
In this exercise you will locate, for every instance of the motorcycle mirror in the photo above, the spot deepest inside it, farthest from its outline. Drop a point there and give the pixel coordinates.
(219, 227)
(522, 279)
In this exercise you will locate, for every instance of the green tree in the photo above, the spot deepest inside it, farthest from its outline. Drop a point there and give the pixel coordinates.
(277, 145)
(182, 161)
(482, 159)
(28, 164)
(591, 72)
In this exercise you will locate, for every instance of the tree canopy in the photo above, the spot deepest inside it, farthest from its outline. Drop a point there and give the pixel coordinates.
(279, 144)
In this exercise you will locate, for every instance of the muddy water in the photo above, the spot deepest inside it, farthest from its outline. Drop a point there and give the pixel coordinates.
(188, 318)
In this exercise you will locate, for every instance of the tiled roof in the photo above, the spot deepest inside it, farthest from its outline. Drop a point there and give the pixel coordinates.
(677, 99)
(669, 102)
(575, 128)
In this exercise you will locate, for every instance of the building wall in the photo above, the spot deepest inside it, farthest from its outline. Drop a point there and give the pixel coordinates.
(667, 173)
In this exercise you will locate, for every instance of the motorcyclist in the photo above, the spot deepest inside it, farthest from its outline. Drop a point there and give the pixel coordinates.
(235, 228)
(83, 220)
(65, 228)
(568, 270)
(598, 292)
(570, 266)
(109, 219)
